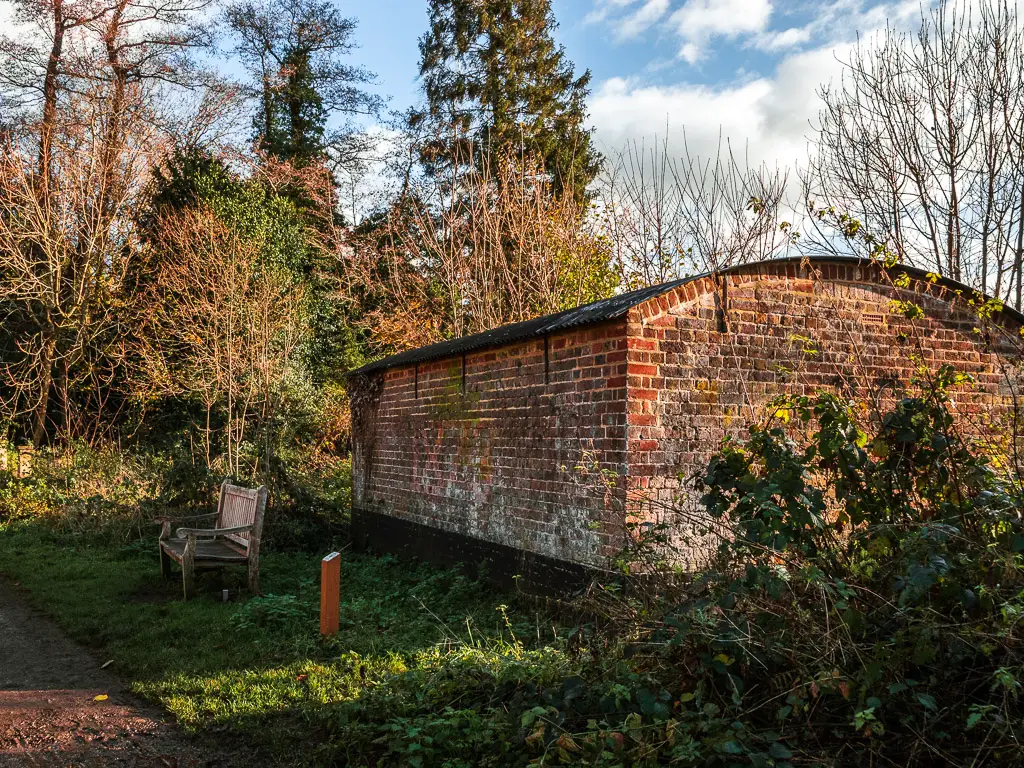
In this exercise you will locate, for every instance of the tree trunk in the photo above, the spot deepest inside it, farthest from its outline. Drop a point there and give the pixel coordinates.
(50, 98)
(45, 383)
(1018, 256)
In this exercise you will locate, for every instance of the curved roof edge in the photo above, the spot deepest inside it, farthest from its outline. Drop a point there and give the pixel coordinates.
(615, 307)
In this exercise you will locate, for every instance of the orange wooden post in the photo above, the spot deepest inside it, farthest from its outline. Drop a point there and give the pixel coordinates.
(330, 593)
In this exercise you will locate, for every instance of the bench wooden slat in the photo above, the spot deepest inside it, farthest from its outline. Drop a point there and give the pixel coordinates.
(215, 550)
(237, 508)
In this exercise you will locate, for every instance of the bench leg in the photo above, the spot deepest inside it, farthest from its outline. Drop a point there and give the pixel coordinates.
(165, 564)
(254, 577)
(188, 568)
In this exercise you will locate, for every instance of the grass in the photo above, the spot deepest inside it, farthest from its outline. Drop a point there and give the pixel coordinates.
(897, 642)
(257, 667)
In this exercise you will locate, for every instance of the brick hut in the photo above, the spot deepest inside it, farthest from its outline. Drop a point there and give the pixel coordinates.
(530, 446)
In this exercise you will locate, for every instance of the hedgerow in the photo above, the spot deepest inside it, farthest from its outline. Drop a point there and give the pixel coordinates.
(864, 607)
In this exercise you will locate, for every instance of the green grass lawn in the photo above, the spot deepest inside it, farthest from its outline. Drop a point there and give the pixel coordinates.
(258, 667)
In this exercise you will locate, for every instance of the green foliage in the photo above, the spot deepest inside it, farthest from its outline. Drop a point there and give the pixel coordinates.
(273, 613)
(84, 488)
(865, 607)
(908, 309)
(195, 178)
(493, 74)
(586, 272)
(868, 579)
(297, 116)
(115, 494)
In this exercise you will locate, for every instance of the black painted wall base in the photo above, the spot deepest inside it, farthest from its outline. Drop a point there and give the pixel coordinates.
(504, 566)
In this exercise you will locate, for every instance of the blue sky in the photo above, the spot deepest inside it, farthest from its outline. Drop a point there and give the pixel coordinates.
(613, 38)
(746, 69)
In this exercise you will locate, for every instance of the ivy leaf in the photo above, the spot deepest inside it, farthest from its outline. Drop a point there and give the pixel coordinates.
(779, 751)
(732, 748)
(927, 701)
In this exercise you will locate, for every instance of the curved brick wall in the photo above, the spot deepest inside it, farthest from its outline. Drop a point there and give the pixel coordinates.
(544, 447)
(706, 358)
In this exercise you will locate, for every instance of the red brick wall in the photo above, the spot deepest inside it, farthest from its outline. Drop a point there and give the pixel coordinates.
(697, 374)
(645, 401)
(497, 457)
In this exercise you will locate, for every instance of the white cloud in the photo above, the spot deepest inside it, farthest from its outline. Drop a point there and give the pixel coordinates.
(766, 119)
(698, 22)
(698, 25)
(642, 19)
(604, 9)
(787, 38)
(768, 115)
(623, 110)
(840, 20)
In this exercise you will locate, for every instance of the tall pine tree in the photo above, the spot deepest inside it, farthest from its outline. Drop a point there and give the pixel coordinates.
(494, 77)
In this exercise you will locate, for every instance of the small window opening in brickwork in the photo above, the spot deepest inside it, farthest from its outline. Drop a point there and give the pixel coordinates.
(463, 374)
(547, 361)
(723, 320)
(872, 317)
(416, 382)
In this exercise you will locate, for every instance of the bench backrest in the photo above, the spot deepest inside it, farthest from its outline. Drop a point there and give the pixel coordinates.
(242, 506)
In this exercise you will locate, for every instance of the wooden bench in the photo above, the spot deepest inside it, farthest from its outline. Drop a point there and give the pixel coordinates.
(234, 538)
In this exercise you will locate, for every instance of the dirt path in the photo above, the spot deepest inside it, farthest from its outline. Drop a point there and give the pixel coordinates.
(48, 712)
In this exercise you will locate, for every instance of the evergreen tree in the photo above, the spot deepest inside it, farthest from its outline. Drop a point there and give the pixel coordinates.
(296, 125)
(494, 77)
(294, 51)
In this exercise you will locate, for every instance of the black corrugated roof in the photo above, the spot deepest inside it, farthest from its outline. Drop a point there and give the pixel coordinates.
(598, 311)
(607, 309)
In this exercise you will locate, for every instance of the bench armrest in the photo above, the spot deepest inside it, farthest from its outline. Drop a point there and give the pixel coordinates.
(166, 522)
(180, 519)
(209, 533)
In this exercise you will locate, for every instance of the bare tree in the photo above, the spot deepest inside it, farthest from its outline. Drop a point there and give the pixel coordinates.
(224, 327)
(668, 216)
(921, 141)
(462, 256)
(83, 81)
(63, 255)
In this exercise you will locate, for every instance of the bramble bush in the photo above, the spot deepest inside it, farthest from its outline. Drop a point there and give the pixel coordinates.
(864, 607)
(867, 604)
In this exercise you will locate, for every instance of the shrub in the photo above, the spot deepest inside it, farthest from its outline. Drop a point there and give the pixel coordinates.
(864, 607)
(866, 602)
(83, 489)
